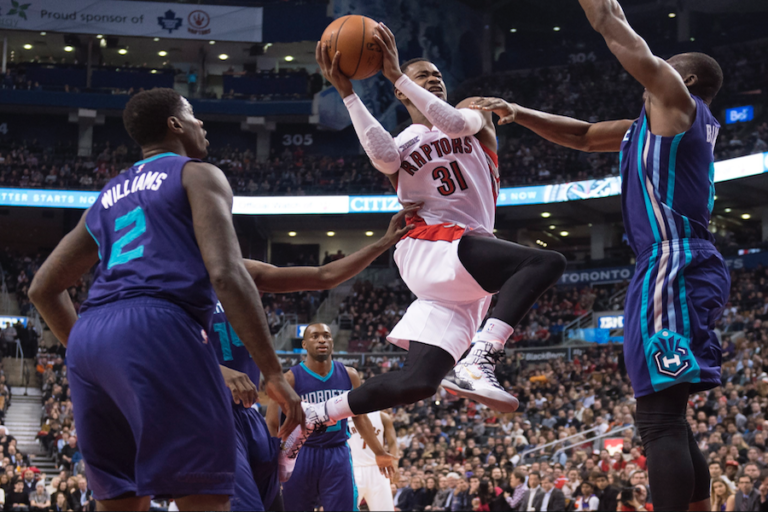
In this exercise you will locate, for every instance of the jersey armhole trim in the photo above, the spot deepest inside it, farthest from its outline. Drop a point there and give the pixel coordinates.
(94, 238)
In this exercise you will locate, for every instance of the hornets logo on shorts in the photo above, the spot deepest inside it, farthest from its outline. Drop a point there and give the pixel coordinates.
(670, 360)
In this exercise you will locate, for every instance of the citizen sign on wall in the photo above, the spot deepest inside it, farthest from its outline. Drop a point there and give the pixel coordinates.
(144, 19)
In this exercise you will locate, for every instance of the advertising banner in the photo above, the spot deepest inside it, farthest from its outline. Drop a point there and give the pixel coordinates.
(317, 205)
(141, 19)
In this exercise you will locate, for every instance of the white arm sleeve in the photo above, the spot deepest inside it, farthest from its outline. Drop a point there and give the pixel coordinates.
(454, 122)
(376, 141)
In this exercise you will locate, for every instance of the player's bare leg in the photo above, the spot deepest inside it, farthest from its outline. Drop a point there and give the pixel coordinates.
(701, 505)
(132, 503)
(203, 502)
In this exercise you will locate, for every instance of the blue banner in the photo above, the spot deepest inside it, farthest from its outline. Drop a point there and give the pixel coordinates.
(313, 205)
(47, 198)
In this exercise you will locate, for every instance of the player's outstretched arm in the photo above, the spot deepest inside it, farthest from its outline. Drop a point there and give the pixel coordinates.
(454, 122)
(376, 141)
(657, 76)
(76, 253)
(272, 279)
(210, 199)
(384, 460)
(565, 131)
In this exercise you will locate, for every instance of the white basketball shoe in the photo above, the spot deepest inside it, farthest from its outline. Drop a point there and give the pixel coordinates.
(316, 422)
(473, 377)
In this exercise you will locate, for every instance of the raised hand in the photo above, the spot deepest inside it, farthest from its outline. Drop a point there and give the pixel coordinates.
(391, 62)
(507, 112)
(331, 71)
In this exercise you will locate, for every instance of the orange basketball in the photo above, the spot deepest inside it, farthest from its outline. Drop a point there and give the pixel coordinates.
(352, 35)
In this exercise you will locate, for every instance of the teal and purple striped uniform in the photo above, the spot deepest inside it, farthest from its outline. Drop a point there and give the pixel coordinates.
(140, 364)
(256, 477)
(323, 474)
(681, 284)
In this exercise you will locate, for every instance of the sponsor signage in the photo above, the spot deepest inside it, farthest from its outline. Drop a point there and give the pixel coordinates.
(395, 359)
(739, 114)
(613, 445)
(598, 275)
(142, 19)
(611, 321)
(742, 167)
(5, 320)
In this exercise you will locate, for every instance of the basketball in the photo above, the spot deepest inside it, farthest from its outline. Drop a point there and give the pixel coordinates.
(352, 35)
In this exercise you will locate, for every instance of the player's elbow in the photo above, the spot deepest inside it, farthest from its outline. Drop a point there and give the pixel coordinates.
(224, 277)
(36, 290)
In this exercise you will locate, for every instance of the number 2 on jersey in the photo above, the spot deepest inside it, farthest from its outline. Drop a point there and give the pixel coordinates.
(444, 175)
(135, 217)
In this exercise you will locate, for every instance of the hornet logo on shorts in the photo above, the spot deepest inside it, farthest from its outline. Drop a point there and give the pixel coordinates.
(671, 358)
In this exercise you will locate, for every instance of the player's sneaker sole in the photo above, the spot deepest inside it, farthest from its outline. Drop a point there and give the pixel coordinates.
(496, 399)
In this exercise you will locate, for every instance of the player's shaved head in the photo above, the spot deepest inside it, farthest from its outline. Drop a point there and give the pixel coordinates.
(702, 74)
(146, 115)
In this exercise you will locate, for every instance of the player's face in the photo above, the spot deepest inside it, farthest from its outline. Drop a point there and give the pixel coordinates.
(318, 342)
(429, 77)
(193, 138)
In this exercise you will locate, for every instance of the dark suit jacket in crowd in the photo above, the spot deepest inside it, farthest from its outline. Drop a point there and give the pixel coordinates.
(556, 500)
(748, 503)
(406, 500)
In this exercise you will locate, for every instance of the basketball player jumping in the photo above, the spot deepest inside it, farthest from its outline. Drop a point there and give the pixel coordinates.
(163, 237)
(451, 260)
(372, 485)
(682, 283)
(260, 461)
(323, 473)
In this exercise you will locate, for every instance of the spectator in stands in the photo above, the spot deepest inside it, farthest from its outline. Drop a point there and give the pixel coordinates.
(516, 492)
(60, 504)
(68, 453)
(18, 499)
(533, 491)
(62, 489)
(551, 498)
(747, 498)
(40, 499)
(721, 496)
(404, 497)
(82, 497)
(30, 483)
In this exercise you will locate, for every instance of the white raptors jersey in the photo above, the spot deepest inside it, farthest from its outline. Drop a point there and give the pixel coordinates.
(457, 179)
(362, 455)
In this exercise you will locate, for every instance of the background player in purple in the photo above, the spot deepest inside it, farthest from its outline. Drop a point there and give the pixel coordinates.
(323, 475)
(681, 284)
(256, 476)
(162, 235)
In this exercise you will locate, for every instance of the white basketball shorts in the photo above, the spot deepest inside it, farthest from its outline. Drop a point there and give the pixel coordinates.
(374, 488)
(450, 305)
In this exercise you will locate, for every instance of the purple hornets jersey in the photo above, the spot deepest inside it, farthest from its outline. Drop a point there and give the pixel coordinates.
(142, 223)
(315, 389)
(229, 349)
(667, 184)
